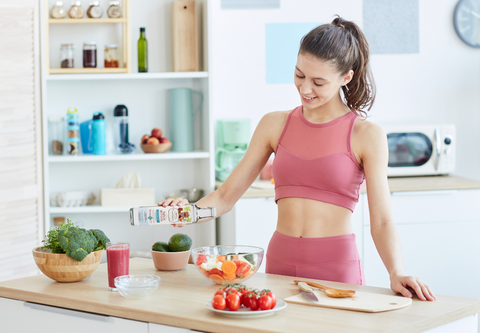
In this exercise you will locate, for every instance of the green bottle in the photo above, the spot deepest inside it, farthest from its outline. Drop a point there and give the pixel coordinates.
(142, 52)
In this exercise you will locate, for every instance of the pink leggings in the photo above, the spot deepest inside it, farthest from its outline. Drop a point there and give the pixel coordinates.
(328, 258)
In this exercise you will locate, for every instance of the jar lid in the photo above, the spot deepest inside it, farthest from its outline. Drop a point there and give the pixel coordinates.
(59, 3)
(114, 3)
(120, 111)
(89, 43)
(66, 45)
(94, 3)
(77, 3)
(55, 119)
(111, 46)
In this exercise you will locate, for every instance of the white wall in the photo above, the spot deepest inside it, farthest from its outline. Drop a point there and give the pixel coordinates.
(438, 85)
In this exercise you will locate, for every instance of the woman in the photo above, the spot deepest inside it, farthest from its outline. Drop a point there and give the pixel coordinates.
(324, 151)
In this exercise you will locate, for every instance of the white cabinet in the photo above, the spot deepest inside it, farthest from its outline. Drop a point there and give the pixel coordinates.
(252, 221)
(438, 232)
(145, 95)
(20, 317)
(44, 318)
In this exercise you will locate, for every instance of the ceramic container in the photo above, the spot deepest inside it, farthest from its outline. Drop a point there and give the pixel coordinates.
(170, 261)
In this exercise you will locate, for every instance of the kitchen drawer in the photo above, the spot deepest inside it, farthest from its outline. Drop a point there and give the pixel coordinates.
(32, 317)
(433, 206)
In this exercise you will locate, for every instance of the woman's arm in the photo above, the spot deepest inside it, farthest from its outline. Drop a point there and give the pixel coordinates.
(258, 152)
(373, 151)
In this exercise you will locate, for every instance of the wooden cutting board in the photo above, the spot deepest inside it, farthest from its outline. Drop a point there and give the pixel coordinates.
(361, 301)
(184, 36)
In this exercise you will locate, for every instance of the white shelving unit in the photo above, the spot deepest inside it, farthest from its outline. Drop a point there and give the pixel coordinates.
(129, 76)
(145, 95)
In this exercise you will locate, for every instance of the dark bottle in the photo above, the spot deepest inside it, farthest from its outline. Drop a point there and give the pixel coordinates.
(142, 52)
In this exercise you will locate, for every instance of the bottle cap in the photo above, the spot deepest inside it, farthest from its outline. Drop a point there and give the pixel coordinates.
(120, 111)
(98, 115)
(142, 29)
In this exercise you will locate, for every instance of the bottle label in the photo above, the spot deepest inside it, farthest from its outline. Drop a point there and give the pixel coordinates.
(161, 215)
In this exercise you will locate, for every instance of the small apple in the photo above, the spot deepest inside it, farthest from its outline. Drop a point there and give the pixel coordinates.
(157, 132)
(145, 138)
(164, 140)
(153, 141)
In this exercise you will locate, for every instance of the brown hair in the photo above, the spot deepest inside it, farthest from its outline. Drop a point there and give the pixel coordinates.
(345, 46)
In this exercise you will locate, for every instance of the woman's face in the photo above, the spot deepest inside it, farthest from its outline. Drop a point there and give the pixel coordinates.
(317, 81)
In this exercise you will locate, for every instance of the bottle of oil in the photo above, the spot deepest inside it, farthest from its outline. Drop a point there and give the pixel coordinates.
(142, 52)
(158, 215)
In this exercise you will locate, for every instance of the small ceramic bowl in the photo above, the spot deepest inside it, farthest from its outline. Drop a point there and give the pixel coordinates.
(137, 286)
(170, 261)
(154, 149)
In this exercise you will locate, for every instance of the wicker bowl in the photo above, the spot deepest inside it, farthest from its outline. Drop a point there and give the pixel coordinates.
(62, 268)
(154, 149)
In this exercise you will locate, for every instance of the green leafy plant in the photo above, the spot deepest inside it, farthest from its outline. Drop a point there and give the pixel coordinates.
(75, 242)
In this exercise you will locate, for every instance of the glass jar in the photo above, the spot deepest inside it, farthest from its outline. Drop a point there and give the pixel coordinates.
(56, 135)
(58, 11)
(114, 11)
(94, 10)
(89, 55)
(111, 56)
(66, 56)
(76, 11)
(73, 132)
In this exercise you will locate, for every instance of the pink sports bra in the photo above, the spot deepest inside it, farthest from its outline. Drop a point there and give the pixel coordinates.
(315, 161)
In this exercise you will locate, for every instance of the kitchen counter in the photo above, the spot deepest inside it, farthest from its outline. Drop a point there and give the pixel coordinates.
(264, 188)
(180, 299)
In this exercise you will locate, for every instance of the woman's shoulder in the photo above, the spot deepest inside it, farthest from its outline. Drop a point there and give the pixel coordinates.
(365, 129)
(275, 120)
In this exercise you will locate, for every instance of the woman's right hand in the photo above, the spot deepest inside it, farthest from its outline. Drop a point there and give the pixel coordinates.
(174, 202)
(180, 201)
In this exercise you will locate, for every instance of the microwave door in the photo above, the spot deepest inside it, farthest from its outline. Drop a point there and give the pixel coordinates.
(410, 153)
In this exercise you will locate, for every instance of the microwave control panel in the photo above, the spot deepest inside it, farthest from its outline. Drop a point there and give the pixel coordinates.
(447, 144)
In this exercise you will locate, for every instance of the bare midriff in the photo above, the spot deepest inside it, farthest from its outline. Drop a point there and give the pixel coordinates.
(299, 217)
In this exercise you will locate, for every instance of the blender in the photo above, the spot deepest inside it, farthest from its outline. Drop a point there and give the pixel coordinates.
(233, 136)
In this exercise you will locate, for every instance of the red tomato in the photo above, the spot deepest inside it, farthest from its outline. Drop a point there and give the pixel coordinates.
(219, 302)
(246, 299)
(253, 302)
(274, 299)
(265, 302)
(201, 259)
(231, 291)
(233, 302)
(221, 292)
(215, 271)
(242, 268)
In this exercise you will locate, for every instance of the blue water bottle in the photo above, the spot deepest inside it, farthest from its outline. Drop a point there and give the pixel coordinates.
(98, 134)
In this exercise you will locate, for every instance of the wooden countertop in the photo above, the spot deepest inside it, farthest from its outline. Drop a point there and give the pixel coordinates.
(180, 300)
(264, 188)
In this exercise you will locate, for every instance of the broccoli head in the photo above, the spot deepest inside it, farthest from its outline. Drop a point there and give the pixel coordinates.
(102, 239)
(248, 257)
(77, 243)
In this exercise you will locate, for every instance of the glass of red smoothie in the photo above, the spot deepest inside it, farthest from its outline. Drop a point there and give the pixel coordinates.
(118, 254)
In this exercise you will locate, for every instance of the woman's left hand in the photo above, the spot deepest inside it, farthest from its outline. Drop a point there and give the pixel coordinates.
(405, 285)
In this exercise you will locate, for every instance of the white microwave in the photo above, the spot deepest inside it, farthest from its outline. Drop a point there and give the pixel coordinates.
(420, 150)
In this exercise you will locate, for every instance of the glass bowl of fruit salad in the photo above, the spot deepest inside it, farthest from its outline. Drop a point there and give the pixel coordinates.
(227, 264)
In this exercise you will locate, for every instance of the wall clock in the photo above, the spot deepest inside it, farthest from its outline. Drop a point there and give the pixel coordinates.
(466, 20)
